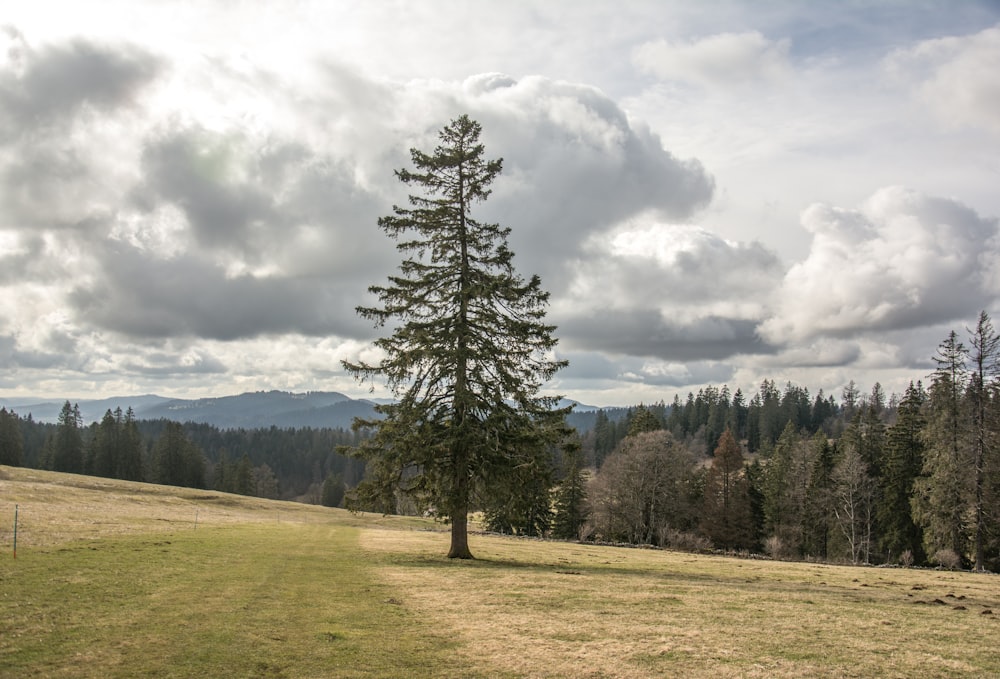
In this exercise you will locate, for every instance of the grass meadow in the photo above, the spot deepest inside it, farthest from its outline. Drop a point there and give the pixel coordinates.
(119, 579)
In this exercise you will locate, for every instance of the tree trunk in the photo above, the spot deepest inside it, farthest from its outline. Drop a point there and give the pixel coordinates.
(460, 516)
(980, 551)
(459, 512)
(460, 488)
(460, 536)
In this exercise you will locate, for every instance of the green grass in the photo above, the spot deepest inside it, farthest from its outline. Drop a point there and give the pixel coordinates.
(278, 600)
(115, 580)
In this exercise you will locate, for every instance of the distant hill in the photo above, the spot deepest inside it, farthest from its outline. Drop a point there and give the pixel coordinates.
(264, 409)
(42, 410)
(252, 410)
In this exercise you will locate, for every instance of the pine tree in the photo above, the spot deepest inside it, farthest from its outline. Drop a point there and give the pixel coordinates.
(604, 438)
(130, 457)
(726, 518)
(224, 473)
(104, 447)
(469, 350)
(67, 449)
(737, 419)
(333, 490)
(786, 483)
(520, 503)
(941, 493)
(177, 461)
(756, 481)
(819, 499)
(849, 397)
(822, 410)
(985, 357)
(718, 415)
(571, 497)
(903, 461)
(795, 407)
(771, 423)
(753, 424)
(642, 419)
(243, 483)
(11, 439)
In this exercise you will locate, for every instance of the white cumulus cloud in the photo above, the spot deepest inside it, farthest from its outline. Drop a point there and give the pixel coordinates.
(903, 260)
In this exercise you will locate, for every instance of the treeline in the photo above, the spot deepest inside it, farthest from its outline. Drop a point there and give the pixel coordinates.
(911, 479)
(300, 464)
(703, 417)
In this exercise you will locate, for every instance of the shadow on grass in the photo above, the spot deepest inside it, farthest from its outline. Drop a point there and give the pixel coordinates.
(728, 575)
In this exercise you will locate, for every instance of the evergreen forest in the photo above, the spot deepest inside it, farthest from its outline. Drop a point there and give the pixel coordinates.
(278, 463)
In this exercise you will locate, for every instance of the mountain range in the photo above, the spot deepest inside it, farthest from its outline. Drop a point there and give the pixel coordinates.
(252, 410)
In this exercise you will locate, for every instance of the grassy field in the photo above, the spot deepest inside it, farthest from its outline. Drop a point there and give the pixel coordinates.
(116, 579)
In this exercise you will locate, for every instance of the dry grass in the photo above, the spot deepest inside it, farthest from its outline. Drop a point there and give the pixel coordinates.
(539, 609)
(54, 508)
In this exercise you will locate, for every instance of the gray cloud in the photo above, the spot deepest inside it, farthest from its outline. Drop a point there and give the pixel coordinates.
(605, 370)
(56, 352)
(202, 173)
(158, 364)
(273, 236)
(62, 109)
(574, 165)
(21, 262)
(187, 296)
(669, 291)
(53, 84)
(648, 333)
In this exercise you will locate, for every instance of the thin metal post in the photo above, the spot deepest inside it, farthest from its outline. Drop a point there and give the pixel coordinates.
(15, 531)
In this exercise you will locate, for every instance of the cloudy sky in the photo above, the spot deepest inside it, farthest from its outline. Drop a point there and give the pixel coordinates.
(714, 193)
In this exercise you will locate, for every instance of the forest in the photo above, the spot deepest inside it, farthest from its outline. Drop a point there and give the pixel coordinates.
(290, 464)
(910, 479)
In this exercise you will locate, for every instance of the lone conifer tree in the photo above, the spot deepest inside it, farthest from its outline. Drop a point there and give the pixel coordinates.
(469, 349)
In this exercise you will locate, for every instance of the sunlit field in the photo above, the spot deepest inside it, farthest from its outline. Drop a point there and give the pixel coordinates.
(117, 579)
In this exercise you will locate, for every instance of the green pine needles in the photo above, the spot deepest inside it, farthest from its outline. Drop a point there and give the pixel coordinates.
(468, 352)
